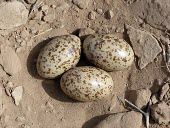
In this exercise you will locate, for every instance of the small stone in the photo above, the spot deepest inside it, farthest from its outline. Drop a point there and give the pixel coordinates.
(63, 8)
(53, 6)
(18, 50)
(48, 104)
(24, 34)
(17, 95)
(8, 88)
(13, 14)
(84, 32)
(20, 119)
(23, 43)
(145, 46)
(44, 7)
(25, 126)
(160, 112)
(99, 11)
(19, 40)
(9, 60)
(92, 15)
(164, 90)
(140, 97)
(82, 4)
(6, 118)
(49, 18)
(30, 42)
(109, 14)
(122, 120)
(154, 99)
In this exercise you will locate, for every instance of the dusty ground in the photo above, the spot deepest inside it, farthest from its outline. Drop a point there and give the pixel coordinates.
(43, 103)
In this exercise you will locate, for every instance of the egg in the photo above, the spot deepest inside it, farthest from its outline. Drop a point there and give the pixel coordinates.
(87, 83)
(58, 56)
(108, 52)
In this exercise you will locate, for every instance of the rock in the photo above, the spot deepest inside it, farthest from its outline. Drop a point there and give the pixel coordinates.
(84, 32)
(82, 4)
(161, 112)
(122, 120)
(9, 60)
(20, 119)
(24, 34)
(99, 11)
(17, 95)
(8, 88)
(25, 126)
(30, 42)
(109, 14)
(44, 7)
(140, 97)
(145, 46)
(63, 8)
(13, 14)
(1, 102)
(154, 99)
(53, 6)
(49, 18)
(164, 90)
(92, 15)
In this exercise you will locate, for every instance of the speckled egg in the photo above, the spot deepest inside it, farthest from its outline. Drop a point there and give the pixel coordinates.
(58, 56)
(87, 83)
(108, 52)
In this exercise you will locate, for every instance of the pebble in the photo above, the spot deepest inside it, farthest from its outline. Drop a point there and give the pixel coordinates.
(154, 99)
(24, 34)
(164, 90)
(63, 8)
(20, 119)
(145, 46)
(9, 60)
(92, 15)
(122, 120)
(109, 14)
(8, 88)
(160, 113)
(30, 42)
(23, 43)
(140, 97)
(17, 95)
(44, 7)
(49, 18)
(18, 50)
(84, 32)
(38, 16)
(53, 6)
(99, 11)
(13, 14)
(82, 4)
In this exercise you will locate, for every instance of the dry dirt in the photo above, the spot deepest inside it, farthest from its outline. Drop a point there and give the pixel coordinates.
(43, 103)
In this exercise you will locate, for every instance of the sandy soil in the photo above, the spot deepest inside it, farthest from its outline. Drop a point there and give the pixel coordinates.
(43, 103)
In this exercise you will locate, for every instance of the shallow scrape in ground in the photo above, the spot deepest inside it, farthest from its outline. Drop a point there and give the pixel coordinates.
(29, 101)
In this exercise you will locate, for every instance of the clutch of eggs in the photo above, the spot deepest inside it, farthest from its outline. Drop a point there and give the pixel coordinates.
(58, 56)
(87, 83)
(108, 52)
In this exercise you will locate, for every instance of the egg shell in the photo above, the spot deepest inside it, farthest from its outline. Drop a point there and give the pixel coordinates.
(58, 56)
(87, 83)
(108, 52)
